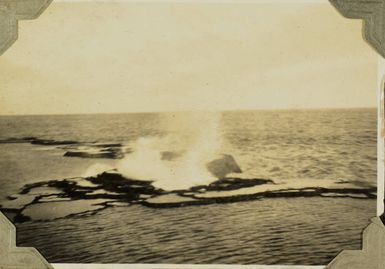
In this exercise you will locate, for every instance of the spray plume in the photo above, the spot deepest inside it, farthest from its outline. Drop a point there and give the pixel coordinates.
(193, 140)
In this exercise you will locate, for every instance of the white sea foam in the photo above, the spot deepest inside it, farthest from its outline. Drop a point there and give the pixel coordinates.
(197, 135)
(96, 169)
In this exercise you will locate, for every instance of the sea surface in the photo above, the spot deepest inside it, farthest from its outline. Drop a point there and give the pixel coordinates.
(290, 147)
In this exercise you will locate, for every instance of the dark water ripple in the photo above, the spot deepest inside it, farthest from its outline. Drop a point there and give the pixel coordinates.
(320, 144)
(270, 231)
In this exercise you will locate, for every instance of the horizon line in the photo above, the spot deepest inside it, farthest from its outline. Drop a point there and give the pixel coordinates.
(188, 111)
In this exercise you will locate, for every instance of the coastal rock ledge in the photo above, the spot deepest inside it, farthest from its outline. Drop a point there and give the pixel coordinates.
(81, 196)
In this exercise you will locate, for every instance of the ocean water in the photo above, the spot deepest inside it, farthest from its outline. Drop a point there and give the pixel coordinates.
(290, 145)
(286, 146)
(299, 231)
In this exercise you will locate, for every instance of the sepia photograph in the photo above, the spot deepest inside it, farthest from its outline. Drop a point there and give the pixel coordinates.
(189, 133)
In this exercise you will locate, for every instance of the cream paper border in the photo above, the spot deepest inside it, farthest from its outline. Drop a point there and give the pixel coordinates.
(184, 266)
(380, 137)
(380, 159)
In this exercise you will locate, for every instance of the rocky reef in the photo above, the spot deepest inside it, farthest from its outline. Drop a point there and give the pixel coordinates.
(37, 141)
(78, 196)
(77, 149)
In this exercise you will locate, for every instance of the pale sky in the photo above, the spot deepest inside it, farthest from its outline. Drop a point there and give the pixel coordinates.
(137, 57)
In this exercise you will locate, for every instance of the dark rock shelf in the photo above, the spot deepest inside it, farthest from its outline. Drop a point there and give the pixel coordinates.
(92, 194)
